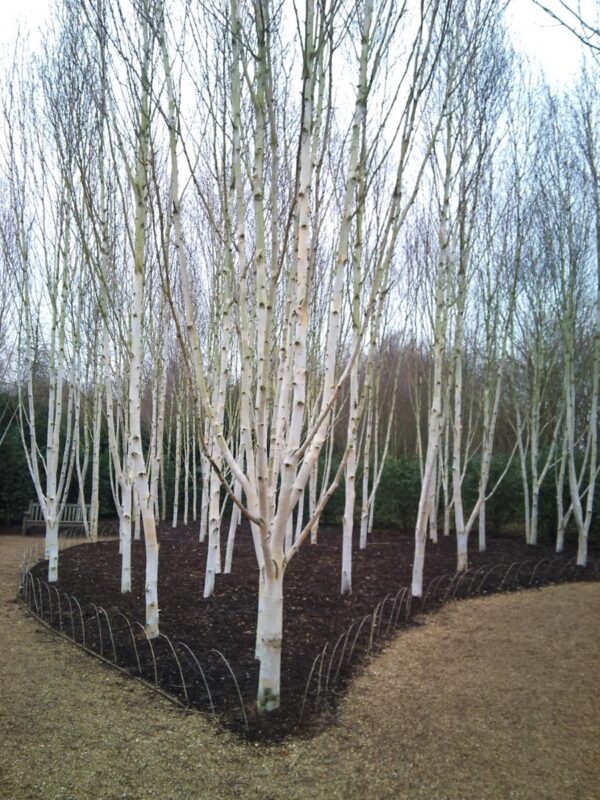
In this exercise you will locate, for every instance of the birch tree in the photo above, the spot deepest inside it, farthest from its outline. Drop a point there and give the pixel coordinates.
(571, 247)
(274, 280)
(466, 88)
(45, 269)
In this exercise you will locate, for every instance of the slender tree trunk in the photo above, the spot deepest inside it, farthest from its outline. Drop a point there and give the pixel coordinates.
(141, 483)
(299, 516)
(186, 469)
(177, 465)
(365, 506)
(233, 524)
(436, 417)
(97, 434)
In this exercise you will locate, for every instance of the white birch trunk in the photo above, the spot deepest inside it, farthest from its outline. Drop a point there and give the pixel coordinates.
(299, 516)
(233, 524)
(186, 469)
(436, 412)
(482, 529)
(97, 434)
(177, 465)
(364, 508)
(140, 475)
(137, 515)
(157, 467)
(562, 518)
(204, 500)
(194, 467)
(271, 640)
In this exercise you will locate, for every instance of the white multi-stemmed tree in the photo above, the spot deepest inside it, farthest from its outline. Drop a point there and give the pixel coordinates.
(268, 211)
(569, 222)
(41, 248)
(281, 248)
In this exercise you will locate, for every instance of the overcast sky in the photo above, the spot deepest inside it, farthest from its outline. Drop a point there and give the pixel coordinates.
(545, 43)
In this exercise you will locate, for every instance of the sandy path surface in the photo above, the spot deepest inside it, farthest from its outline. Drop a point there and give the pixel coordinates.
(493, 698)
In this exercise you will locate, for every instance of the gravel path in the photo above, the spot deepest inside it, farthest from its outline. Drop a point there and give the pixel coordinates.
(492, 699)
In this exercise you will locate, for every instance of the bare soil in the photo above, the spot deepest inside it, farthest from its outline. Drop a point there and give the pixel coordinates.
(492, 698)
(315, 615)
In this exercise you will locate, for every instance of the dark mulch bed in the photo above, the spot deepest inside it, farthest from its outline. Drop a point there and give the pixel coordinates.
(314, 611)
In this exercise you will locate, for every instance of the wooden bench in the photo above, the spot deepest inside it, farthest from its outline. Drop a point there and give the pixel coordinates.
(71, 516)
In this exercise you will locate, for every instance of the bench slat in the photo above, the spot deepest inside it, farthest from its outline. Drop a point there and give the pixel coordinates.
(71, 516)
